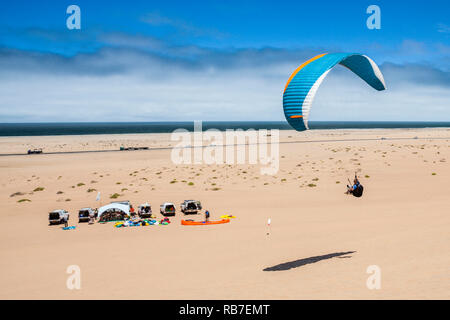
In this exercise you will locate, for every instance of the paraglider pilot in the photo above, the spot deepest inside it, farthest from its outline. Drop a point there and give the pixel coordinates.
(356, 189)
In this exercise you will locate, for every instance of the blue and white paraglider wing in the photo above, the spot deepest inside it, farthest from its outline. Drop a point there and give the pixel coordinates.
(303, 83)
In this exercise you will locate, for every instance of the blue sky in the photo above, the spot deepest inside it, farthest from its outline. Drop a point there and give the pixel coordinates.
(217, 60)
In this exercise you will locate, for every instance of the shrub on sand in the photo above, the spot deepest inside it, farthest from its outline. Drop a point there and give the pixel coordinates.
(17, 194)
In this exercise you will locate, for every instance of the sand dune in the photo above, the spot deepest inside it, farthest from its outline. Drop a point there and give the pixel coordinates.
(320, 242)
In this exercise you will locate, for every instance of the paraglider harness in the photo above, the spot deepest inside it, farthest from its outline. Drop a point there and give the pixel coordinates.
(356, 189)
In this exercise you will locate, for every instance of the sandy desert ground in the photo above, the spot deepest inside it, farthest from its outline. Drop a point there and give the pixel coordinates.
(401, 224)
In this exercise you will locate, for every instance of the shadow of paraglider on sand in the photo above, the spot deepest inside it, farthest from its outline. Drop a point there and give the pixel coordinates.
(301, 262)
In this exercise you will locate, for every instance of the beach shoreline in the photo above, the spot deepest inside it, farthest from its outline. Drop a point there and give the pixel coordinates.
(111, 142)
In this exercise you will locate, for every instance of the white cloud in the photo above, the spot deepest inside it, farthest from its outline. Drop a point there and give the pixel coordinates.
(131, 85)
(443, 28)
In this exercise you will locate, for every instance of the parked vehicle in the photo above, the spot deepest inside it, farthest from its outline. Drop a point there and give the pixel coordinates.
(145, 210)
(34, 151)
(167, 209)
(58, 216)
(122, 148)
(84, 215)
(191, 207)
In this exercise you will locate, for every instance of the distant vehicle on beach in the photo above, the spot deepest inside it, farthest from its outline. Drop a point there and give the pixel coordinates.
(132, 148)
(145, 210)
(58, 216)
(85, 214)
(34, 151)
(191, 207)
(167, 209)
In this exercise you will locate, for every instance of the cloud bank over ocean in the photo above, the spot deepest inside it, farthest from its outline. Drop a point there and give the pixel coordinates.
(102, 75)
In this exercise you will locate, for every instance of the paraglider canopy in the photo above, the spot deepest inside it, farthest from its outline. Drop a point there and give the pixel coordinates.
(303, 83)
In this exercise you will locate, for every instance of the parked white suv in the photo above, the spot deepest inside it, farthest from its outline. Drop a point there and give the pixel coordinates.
(58, 216)
(191, 207)
(167, 209)
(84, 215)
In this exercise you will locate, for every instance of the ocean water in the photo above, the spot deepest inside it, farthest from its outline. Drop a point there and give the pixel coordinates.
(82, 128)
